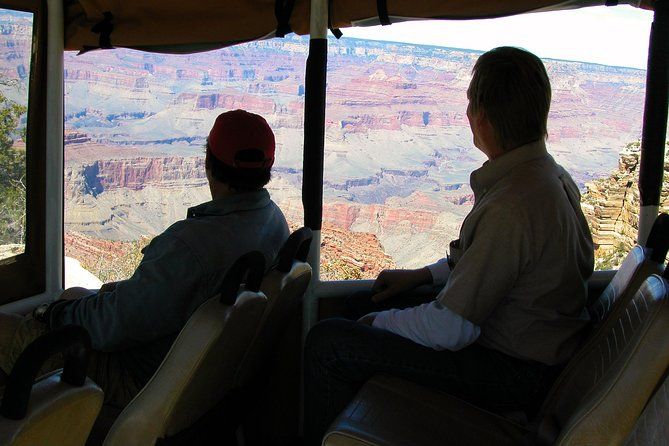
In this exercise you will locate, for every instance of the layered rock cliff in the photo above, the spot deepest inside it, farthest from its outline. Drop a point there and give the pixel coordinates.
(611, 206)
(351, 255)
(134, 174)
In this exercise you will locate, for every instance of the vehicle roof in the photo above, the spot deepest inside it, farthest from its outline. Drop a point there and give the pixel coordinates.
(179, 27)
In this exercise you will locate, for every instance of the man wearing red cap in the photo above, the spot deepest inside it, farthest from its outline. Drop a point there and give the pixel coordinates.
(133, 323)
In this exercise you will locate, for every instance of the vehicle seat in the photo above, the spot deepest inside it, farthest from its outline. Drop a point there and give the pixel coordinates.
(200, 368)
(60, 408)
(284, 285)
(639, 263)
(605, 387)
(596, 399)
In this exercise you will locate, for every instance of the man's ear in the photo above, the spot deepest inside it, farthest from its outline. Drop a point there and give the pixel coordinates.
(481, 118)
(484, 123)
(487, 136)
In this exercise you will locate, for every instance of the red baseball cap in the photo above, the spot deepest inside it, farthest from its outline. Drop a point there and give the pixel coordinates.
(239, 130)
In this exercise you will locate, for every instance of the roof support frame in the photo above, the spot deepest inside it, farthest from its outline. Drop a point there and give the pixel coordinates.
(314, 147)
(654, 133)
(314, 129)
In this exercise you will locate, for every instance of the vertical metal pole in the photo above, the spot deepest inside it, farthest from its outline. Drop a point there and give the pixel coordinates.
(654, 120)
(54, 149)
(312, 162)
(314, 145)
(314, 117)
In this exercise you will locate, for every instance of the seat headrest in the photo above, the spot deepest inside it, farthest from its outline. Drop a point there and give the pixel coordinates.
(71, 340)
(248, 269)
(658, 239)
(296, 248)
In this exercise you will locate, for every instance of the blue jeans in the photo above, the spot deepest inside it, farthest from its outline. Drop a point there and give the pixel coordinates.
(341, 355)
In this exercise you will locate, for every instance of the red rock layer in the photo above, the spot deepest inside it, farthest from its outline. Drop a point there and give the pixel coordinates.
(351, 255)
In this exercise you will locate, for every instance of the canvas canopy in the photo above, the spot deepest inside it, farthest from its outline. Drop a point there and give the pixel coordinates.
(178, 26)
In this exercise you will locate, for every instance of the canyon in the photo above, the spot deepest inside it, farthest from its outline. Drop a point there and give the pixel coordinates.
(398, 146)
(398, 150)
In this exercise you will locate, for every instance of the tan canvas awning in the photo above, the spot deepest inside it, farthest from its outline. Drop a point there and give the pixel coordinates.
(178, 26)
(167, 24)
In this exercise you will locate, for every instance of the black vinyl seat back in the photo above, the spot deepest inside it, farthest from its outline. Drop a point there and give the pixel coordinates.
(248, 271)
(296, 248)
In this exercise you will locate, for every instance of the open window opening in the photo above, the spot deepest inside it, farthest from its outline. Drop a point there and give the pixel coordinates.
(16, 32)
(399, 150)
(135, 129)
(22, 151)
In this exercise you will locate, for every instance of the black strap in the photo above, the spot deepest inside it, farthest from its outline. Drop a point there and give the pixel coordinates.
(382, 11)
(72, 340)
(314, 133)
(283, 10)
(335, 31)
(248, 269)
(104, 28)
(611, 3)
(296, 248)
(658, 239)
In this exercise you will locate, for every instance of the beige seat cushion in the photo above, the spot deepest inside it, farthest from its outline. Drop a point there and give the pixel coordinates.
(58, 414)
(389, 411)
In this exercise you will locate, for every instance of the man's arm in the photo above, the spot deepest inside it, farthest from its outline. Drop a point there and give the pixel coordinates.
(109, 286)
(394, 282)
(483, 276)
(151, 304)
(440, 271)
(431, 325)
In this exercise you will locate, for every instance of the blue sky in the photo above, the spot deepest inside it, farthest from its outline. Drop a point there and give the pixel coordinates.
(606, 35)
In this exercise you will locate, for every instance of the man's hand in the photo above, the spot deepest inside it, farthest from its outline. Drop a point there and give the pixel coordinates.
(40, 313)
(368, 319)
(109, 286)
(74, 293)
(393, 282)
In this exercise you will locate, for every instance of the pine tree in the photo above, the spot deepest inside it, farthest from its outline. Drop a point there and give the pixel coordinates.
(12, 172)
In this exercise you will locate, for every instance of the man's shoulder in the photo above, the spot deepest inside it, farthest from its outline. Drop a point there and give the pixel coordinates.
(226, 226)
(535, 177)
(524, 193)
(177, 228)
